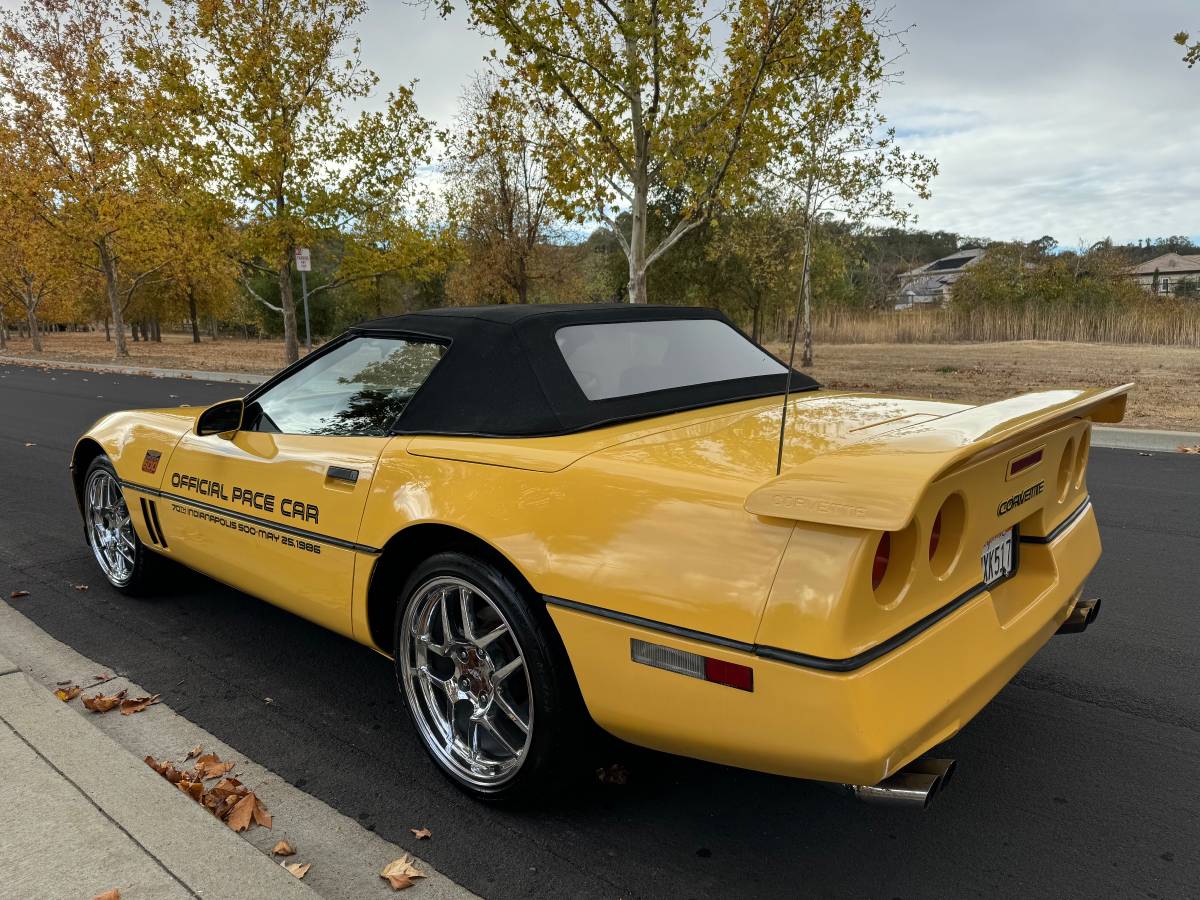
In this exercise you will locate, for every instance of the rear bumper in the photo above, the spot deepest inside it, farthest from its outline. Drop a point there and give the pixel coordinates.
(858, 726)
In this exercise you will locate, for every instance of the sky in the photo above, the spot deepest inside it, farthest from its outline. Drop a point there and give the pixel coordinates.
(1073, 118)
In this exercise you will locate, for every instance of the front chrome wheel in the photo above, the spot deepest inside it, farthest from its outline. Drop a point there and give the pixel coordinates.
(109, 528)
(466, 682)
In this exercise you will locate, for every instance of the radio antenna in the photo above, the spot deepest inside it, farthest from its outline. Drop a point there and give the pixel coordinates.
(787, 390)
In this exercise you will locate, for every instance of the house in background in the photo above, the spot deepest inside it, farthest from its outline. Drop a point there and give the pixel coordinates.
(932, 283)
(1171, 273)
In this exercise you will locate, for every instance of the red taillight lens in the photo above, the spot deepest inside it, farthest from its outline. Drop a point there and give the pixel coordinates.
(935, 535)
(883, 553)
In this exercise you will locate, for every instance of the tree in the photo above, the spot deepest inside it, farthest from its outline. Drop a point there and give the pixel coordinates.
(836, 158)
(260, 91)
(634, 98)
(74, 108)
(1191, 52)
(499, 195)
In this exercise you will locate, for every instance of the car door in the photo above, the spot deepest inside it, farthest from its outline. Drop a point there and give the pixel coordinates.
(274, 508)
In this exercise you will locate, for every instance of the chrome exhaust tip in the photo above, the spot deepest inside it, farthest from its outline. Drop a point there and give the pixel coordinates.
(913, 787)
(1082, 615)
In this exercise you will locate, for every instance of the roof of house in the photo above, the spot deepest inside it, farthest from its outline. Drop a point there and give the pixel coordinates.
(947, 265)
(1167, 263)
(506, 371)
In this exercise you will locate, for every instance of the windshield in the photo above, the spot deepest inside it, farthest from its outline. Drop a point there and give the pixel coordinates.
(620, 359)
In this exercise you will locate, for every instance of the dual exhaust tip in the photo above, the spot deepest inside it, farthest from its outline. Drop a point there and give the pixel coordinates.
(913, 787)
(1082, 614)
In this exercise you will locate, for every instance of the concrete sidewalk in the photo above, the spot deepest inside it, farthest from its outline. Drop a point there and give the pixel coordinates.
(67, 774)
(83, 816)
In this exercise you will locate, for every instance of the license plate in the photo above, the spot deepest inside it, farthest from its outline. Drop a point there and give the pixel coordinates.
(998, 558)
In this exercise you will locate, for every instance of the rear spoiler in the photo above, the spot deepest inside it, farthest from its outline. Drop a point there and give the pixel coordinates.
(876, 484)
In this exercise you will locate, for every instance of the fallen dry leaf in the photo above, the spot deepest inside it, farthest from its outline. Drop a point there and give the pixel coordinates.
(80, 587)
(210, 766)
(17, 595)
(239, 817)
(129, 707)
(421, 833)
(102, 704)
(66, 695)
(1195, 449)
(283, 848)
(399, 873)
(114, 894)
(31, 443)
(297, 869)
(261, 816)
(194, 752)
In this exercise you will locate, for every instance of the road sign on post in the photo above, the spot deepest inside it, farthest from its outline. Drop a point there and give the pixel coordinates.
(303, 265)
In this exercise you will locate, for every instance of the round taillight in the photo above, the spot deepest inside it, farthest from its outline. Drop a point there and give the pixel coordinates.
(883, 555)
(935, 535)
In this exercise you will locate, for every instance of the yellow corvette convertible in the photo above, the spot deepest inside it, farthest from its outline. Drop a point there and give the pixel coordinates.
(543, 513)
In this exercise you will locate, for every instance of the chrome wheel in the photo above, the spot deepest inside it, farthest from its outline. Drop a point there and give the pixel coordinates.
(466, 682)
(109, 529)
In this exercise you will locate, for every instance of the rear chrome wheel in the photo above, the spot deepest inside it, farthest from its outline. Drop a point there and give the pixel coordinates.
(109, 527)
(466, 680)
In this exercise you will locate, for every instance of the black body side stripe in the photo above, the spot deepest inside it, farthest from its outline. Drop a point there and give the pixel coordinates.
(825, 664)
(1061, 527)
(265, 523)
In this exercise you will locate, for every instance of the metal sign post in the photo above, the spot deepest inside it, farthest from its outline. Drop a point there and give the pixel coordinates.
(304, 265)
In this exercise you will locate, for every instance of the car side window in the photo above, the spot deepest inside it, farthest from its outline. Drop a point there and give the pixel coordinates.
(359, 388)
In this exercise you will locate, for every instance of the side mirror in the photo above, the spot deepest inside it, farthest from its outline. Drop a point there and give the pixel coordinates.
(221, 418)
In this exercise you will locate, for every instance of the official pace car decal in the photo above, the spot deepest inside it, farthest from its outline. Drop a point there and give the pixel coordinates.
(248, 525)
(288, 508)
(1017, 499)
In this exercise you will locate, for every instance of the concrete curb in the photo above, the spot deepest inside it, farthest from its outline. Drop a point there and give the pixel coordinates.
(151, 832)
(145, 371)
(1143, 439)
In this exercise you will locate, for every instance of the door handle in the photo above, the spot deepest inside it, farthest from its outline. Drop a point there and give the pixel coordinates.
(341, 473)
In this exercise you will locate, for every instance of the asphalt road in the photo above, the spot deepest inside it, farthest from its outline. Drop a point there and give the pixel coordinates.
(1079, 780)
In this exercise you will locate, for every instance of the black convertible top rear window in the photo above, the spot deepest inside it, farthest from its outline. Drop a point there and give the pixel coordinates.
(619, 359)
(526, 371)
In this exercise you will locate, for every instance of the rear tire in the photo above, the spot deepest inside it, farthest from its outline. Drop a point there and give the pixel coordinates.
(123, 558)
(483, 677)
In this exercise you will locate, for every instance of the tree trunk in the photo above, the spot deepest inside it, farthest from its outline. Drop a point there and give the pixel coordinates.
(34, 335)
(133, 331)
(637, 244)
(806, 358)
(195, 315)
(3, 330)
(107, 333)
(157, 326)
(756, 323)
(109, 266)
(291, 346)
(522, 281)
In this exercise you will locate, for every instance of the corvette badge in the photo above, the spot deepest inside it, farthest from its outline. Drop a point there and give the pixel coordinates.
(150, 463)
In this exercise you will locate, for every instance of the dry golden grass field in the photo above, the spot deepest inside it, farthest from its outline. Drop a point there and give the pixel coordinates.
(1167, 393)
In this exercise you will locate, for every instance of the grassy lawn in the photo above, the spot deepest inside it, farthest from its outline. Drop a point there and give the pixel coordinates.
(1167, 393)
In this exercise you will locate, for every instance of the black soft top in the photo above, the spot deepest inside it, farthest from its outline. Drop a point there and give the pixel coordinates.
(503, 374)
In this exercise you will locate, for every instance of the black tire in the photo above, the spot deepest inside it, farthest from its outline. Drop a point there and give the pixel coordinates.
(143, 571)
(552, 696)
